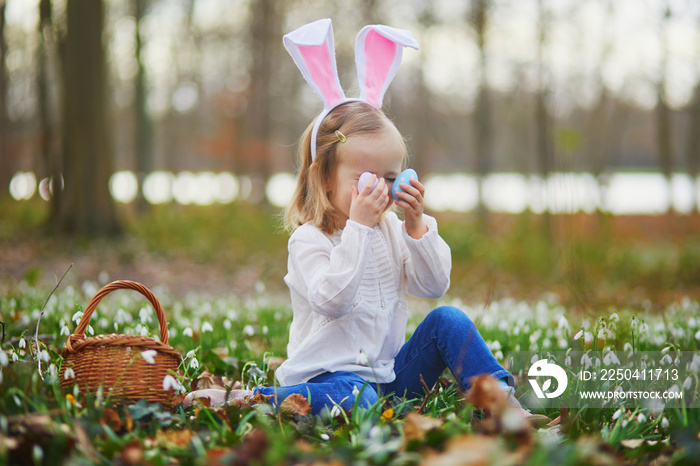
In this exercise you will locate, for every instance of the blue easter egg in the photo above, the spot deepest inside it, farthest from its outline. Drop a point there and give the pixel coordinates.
(404, 177)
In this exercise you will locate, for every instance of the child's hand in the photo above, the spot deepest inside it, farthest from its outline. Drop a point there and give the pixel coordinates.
(412, 204)
(368, 205)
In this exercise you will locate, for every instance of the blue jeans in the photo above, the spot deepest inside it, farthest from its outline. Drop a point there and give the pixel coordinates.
(446, 338)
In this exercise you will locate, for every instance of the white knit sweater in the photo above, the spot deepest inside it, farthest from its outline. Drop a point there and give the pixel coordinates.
(348, 295)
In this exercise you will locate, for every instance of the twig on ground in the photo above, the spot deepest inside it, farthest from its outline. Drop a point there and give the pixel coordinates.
(3, 333)
(429, 393)
(41, 312)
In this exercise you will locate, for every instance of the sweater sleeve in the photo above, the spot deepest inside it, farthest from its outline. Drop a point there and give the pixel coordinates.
(428, 263)
(328, 275)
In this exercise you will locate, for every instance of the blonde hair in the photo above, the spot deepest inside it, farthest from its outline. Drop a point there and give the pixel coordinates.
(311, 200)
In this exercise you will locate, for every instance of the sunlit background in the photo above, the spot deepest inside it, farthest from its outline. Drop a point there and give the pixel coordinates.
(614, 83)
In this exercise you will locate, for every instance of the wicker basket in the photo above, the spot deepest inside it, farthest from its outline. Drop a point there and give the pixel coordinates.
(118, 362)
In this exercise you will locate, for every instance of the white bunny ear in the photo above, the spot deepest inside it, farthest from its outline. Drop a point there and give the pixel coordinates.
(311, 47)
(378, 52)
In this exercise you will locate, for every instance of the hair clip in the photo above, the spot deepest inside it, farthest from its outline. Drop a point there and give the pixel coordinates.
(341, 137)
(378, 53)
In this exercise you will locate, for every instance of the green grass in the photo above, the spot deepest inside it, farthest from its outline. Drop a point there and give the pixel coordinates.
(238, 337)
(526, 289)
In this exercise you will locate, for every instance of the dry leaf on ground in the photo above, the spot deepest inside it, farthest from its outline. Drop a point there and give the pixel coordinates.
(296, 405)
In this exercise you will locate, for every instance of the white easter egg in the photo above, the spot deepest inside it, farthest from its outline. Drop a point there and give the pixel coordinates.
(364, 178)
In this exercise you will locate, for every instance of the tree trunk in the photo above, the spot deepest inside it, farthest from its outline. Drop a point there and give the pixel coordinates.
(483, 127)
(693, 155)
(543, 120)
(5, 165)
(265, 39)
(144, 127)
(663, 113)
(46, 127)
(84, 205)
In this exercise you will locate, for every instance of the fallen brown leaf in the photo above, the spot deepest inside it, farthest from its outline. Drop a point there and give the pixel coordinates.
(416, 426)
(296, 405)
(131, 455)
(486, 394)
(111, 418)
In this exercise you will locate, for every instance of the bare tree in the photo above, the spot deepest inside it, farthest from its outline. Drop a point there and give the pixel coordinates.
(543, 119)
(663, 113)
(693, 142)
(46, 126)
(478, 18)
(84, 204)
(265, 36)
(144, 126)
(5, 169)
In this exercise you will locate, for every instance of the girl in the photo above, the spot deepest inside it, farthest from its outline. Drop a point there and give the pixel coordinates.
(352, 261)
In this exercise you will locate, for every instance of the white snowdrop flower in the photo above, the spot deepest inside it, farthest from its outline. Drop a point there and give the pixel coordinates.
(265, 330)
(625, 422)
(77, 316)
(611, 358)
(546, 343)
(326, 437)
(687, 383)
(188, 331)
(567, 360)
(362, 359)
(602, 334)
(614, 317)
(227, 324)
(148, 355)
(697, 335)
(144, 332)
(45, 356)
(634, 324)
(22, 343)
(674, 389)
(355, 391)
(516, 332)
(498, 355)
(641, 418)
(617, 414)
(578, 335)
(563, 344)
(666, 359)
(644, 328)
(170, 383)
(65, 331)
(588, 337)
(597, 362)
(248, 330)
(259, 287)
(53, 369)
(145, 315)
(666, 349)
(190, 353)
(206, 327)
(194, 364)
(628, 346)
(535, 358)
(695, 363)
(563, 323)
(90, 330)
(15, 358)
(664, 423)
(4, 361)
(495, 345)
(69, 373)
(335, 411)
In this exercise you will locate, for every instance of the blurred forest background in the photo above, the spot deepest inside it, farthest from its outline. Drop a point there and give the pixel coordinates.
(204, 88)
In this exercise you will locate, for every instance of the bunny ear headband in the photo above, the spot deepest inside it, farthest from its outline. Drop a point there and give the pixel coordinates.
(377, 57)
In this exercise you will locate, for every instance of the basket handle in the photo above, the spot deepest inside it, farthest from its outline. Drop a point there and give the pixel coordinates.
(117, 285)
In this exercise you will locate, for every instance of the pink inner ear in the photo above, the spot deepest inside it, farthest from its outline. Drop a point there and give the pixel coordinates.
(379, 56)
(320, 66)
